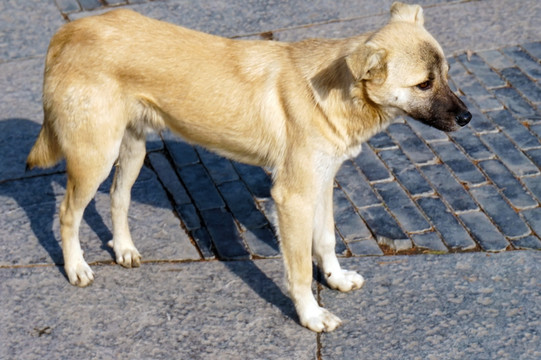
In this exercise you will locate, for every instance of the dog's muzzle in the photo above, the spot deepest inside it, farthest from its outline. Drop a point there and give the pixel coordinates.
(463, 118)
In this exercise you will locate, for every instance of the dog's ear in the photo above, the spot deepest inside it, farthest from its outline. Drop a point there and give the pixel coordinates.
(367, 63)
(409, 13)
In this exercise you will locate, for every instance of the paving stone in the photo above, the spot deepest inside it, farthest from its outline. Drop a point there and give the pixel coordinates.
(522, 83)
(513, 190)
(340, 247)
(533, 218)
(396, 245)
(500, 212)
(470, 85)
(482, 71)
(189, 216)
(255, 178)
(534, 185)
(154, 142)
(382, 141)
(220, 169)
(514, 129)
(90, 4)
(372, 167)
(181, 152)
(535, 156)
(429, 241)
(158, 311)
(484, 232)
(367, 247)
(461, 166)
(242, 205)
(347, 220)
(262, 242)
(453, 233)
(495, 59)
(402, 207)
(455, 306)
(200, 187)
(479, 123)
(449, 188)
(527, 243)
(356, 186)
(411, 144)
(382, 224)
(225, 234)
(536, 129)
(68, 6)
(406, 172)
(471, 144)
(524, 61)
(512, 157)
(428, 133)
(169, 178)
(516, 104)
(204, 242)
(533, 49)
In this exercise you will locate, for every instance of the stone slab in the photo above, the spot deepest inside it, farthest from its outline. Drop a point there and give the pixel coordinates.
(459, 306)
(211, 310)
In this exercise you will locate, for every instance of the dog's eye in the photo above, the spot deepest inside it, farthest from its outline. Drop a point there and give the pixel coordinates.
(425, 85)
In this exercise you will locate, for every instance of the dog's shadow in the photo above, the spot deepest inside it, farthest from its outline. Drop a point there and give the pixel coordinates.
(38, 194)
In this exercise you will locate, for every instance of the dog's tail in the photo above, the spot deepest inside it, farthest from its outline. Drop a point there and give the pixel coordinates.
(46, 151)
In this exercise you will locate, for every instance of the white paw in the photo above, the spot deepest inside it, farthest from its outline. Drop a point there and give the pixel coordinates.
(344, 280)
(79, 273)
(320, 319)
(126, 255)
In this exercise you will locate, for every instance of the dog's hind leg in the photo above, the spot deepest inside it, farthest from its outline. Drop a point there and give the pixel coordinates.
(129, 163)
(324, 245)
(85, 173)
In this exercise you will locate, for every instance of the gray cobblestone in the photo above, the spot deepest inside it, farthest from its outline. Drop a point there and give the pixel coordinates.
(403, 208)
(500, 212)
(372, 167)
(429, 241)
(220, 169)
(348, 222)
(365, 248)
(411, 144)
(523, 84)
(524, 61)
(512, 157)
(382, 224)
(471, 144)
(534, 185)
(533, 49)
(533, 217)
(449, 188)
(515, 129)
(200, 187)
(406, 172)
(461, 166)
(513, 190)
(356, 186)
(516, 103)
(527, 243)
(484, 231)
(482, 71)
(242, 205)
(225, 234)
(452, 232)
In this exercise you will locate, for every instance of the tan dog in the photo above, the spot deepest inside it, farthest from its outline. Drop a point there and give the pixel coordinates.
(300, 108)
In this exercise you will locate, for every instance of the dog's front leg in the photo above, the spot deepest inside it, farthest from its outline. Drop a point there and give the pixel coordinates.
(324, 244)
(295, 204)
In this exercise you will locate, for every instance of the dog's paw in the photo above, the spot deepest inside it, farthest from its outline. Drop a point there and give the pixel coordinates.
(320, 319)
(127, 256)
(344, 280)
(79, 274)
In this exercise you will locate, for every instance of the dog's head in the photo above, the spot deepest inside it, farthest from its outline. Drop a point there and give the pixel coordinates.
(403, 69)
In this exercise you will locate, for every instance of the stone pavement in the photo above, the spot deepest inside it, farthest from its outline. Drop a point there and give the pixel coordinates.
(211, 283)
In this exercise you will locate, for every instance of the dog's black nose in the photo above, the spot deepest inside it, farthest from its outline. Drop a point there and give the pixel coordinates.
(464, 118)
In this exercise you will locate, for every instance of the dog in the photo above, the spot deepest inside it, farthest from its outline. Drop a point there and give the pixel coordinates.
(298, 108)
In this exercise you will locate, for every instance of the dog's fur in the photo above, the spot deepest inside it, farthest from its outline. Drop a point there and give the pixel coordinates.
(299, 108)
